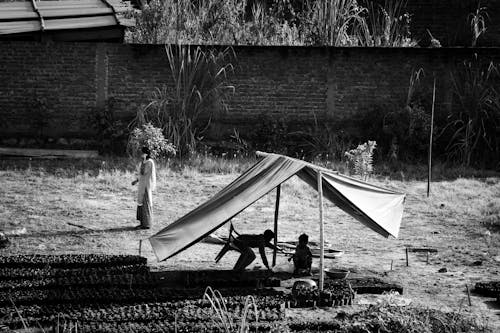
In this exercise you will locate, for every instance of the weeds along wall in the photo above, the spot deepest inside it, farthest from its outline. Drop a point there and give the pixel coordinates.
(49, 92)
(449, 21)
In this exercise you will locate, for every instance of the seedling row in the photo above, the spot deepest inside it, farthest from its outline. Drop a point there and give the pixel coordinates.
(71, 260)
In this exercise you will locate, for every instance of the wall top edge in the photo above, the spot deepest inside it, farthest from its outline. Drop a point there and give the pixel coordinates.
(273, 47)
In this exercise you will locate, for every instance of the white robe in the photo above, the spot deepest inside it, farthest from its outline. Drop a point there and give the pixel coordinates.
(147, 182)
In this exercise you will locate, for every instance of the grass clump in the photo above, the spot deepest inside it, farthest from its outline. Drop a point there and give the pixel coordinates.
(205, 163)
(388, 318)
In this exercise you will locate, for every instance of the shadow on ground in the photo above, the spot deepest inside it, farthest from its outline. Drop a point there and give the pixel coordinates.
(84, 231)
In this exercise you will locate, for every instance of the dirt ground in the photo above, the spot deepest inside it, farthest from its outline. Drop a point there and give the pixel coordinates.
(95, 214)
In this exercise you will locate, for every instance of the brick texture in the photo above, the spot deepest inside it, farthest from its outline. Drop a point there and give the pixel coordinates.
(62, 74)
(296, 83)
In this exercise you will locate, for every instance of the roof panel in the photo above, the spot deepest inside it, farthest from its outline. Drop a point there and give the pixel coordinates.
(16, 27)
(18, 17)
(71, 4)
(80, 22)
(64, 12)
(16, 11)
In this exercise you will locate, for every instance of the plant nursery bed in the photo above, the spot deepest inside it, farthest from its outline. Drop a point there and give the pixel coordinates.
(218, 278)
(70, 261)
(373, 285)
(489, 289)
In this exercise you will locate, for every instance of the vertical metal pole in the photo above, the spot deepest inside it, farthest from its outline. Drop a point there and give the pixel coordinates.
(276, 214)
(468, 295)
(321, 231)
(430, 140)
(177, 23)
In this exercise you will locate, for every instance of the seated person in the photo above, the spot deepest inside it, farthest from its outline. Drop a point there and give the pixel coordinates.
(302, 258)
(244, 243)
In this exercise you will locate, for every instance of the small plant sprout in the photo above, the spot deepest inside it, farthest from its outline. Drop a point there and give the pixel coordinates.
(478, 23)
(223, 319)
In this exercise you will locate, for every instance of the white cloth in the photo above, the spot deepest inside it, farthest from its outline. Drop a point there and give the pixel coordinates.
(147, 181)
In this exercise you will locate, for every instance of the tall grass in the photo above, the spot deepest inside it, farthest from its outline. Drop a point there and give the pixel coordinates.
(475, 118)
(333, 21)
(387, 25)
(199, 92)
(326, 22)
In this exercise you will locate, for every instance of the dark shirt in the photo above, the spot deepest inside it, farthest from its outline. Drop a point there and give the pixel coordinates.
(244, 242)
(302, 257)
(255, 241)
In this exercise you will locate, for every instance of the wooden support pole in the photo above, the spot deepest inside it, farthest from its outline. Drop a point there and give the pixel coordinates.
(391, 263)
(407, 262)
(468, 294)
(430, 141)
(140, 246)
(276, 214)
(321, 233)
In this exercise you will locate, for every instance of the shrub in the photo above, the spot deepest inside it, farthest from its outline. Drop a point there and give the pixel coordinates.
(409, 127)
(153, 23)
(472, 125)
(152, 137)
(111, 131)
(273, 22)
(360, 160)
(400, 128)
(271, 134)
(323, 141)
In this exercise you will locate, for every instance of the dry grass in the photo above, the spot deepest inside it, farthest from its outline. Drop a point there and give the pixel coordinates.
(89, 207)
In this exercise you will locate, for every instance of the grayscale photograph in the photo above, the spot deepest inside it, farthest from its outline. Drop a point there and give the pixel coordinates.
(237, 166)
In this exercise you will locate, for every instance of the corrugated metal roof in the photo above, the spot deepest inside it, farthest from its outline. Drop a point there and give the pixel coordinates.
(32, 16)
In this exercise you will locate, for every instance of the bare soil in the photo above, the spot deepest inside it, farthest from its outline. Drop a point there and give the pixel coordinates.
(96, 214)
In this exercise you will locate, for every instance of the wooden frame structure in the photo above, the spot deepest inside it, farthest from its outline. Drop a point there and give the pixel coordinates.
(321, 224)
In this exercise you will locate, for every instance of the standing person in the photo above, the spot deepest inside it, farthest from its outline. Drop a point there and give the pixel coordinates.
(147, 184)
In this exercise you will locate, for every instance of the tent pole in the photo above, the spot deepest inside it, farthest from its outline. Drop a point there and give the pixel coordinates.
(429, 163)
(276, 213)
(321, 231)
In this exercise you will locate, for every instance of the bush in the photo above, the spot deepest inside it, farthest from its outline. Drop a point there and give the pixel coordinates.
(152, 137)
(361, 159)
(472, 125)
(274, 22)
(111, 131)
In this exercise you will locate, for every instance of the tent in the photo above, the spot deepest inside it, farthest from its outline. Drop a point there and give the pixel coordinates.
(377, 208)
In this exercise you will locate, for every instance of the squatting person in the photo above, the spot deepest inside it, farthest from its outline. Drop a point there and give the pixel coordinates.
(245, 243)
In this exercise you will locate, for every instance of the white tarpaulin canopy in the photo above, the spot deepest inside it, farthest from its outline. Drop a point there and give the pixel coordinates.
(377, 208)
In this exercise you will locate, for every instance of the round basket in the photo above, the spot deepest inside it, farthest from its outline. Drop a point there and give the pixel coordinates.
(336, 273)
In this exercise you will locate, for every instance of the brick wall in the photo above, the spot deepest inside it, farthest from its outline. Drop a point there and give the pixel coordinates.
(295, 83)
(63, 75)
